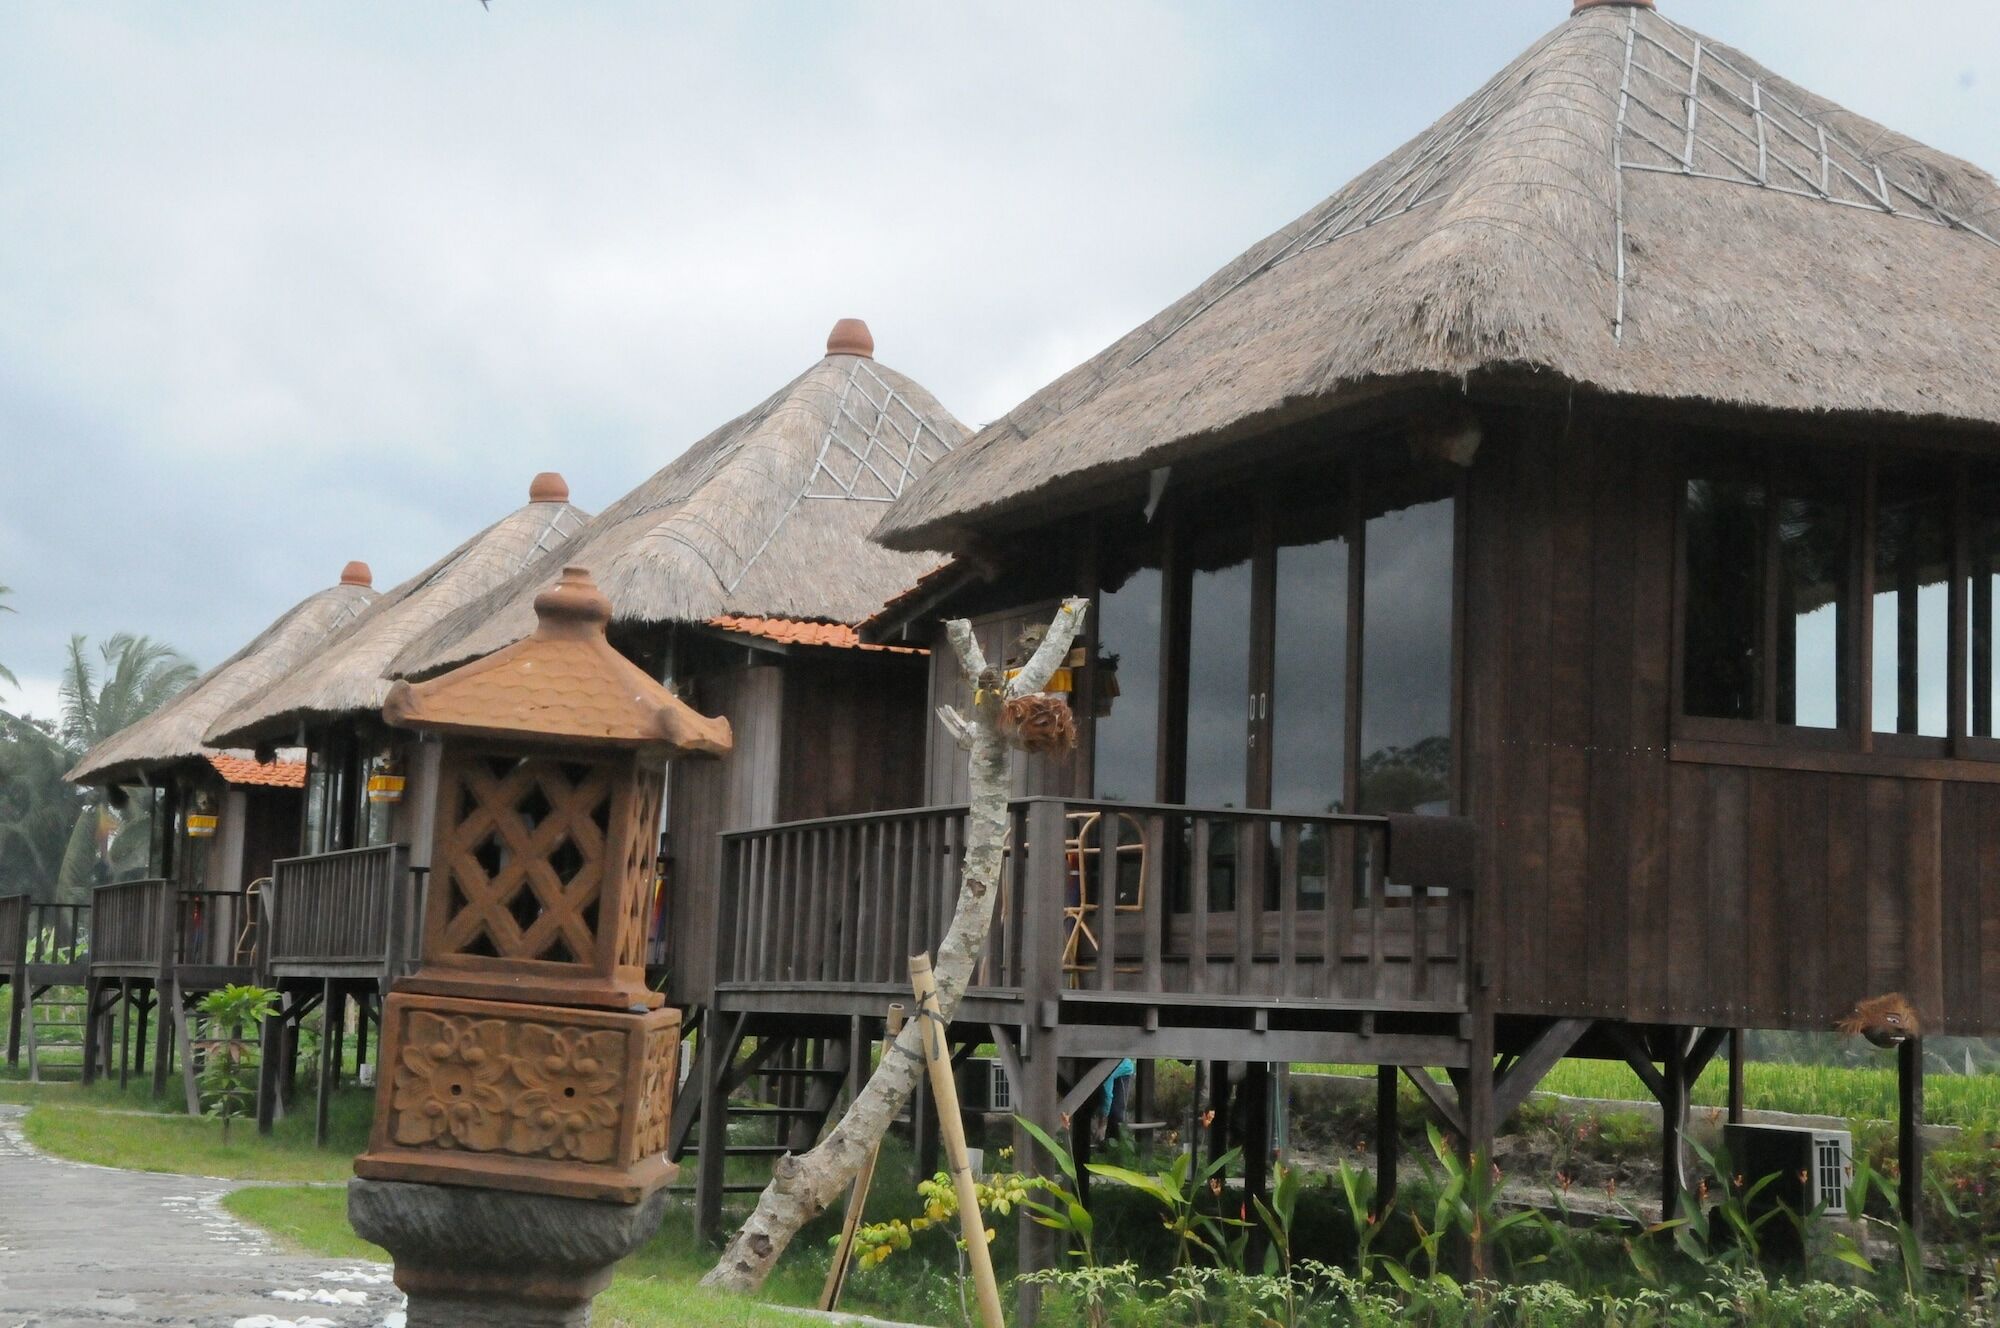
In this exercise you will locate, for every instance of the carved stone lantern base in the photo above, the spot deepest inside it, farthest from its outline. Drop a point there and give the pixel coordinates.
(479, 1258)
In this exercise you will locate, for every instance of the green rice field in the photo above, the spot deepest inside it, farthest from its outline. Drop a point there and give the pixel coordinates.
(1852, 1092)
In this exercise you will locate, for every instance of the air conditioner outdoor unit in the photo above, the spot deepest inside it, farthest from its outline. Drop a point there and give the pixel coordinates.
(983, 1087)
(1812, 1167)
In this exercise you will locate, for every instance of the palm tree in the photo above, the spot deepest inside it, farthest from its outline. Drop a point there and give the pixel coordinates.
(6, 676)
(138, 676)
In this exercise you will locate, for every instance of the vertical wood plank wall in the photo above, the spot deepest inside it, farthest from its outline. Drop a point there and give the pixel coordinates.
(708, 797)
(1624, 883)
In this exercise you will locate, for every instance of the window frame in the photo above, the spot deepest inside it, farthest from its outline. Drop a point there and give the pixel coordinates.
(1855, 744)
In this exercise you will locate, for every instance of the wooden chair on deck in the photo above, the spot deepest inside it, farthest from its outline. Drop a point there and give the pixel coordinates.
(246, 938)
(1083, 851)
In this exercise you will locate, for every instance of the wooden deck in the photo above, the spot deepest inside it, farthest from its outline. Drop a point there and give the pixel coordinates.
(352, 914)
(1226, 934)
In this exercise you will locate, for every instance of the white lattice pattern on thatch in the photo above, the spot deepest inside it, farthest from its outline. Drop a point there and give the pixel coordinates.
(873, 445)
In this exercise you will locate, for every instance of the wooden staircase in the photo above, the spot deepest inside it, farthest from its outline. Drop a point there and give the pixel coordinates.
(53, 1032)
(777, 1097)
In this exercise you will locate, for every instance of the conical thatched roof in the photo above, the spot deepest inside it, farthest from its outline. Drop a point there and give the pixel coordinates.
(768, 516)
(346, 675)
(175, 731)
(1581, 215)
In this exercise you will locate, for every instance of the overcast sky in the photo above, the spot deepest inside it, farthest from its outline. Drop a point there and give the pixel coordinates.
(284, 285)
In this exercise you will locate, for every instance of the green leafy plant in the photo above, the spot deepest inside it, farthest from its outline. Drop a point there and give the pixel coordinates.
(228, 1082)
(1179, 1189)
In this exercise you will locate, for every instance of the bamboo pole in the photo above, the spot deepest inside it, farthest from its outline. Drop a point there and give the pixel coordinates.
(937, 1056)
(843, 1254)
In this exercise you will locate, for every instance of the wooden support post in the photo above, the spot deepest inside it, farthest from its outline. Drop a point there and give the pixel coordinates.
(18, 988)
(1388, 1138)
(163, 1041)
(951, 1124)
(1735, 1076)
(360, 1031)
(1910, 1133)
(1673, 1123)
(1040, 1095)
(124, 1033)
(183, 1016)
(139, 1042)
(329, 1057)
(1218, 1102)
(92, 990)
(1256, 1108)
(720, 1037)
(269, 1053)
(1475, 1105)
(857, 1199)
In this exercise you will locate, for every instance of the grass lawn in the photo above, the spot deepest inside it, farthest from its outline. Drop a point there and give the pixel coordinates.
(655, 1288)
(114, 1129)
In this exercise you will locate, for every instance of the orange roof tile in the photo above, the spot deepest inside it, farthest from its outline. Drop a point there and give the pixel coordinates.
(565, 684)
(797, 632)
(265, 774)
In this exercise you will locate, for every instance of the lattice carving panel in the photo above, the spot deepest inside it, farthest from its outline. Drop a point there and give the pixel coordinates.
(641, 831)
(523, 866)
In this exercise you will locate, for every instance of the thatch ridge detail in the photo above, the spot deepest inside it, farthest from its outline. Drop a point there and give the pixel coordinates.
(767, 516)
(1532, 229)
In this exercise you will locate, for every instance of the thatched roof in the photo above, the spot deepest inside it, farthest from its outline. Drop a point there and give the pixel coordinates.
(175, 731)
(1580, 216)
(346, 675)
(768, 516)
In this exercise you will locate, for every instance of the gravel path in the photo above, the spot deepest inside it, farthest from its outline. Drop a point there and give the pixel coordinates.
(86, 1245)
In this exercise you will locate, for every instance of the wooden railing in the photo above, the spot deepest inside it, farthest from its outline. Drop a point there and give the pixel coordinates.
(58, 933)
(215, 927)
(13, 931)
(132, 924)
(1128, 898)
(356, 908)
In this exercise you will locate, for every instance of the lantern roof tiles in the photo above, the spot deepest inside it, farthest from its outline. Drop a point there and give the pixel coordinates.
(562, 684)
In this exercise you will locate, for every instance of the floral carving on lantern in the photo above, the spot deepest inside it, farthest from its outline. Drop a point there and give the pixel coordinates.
(448, 1090)
(568, 1105)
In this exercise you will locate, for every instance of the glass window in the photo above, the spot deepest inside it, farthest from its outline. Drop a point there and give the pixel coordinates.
(1912, 598)
(1127, 688)
(1724, 524)
(1983, 682)
(1406, 619)
(1812, 569)
(1309, 664)
(1218, 703)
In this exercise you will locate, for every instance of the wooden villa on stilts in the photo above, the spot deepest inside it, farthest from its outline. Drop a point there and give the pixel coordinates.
(141, 951)
(1543, 606)
(738, 574)
(343, 909)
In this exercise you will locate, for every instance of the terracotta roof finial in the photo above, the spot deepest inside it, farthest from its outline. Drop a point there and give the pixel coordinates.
(548, 487)
(573, 608)
(850, 336)
(1581, 5)
(356, 573)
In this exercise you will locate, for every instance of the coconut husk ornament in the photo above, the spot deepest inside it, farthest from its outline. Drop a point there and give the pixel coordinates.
(1887, 1021)
(1039, 723)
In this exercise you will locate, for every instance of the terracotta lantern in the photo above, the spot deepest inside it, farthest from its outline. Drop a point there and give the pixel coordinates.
(526, 1053)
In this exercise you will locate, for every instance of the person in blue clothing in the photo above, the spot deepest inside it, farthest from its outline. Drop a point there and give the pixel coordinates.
(1114, 1098)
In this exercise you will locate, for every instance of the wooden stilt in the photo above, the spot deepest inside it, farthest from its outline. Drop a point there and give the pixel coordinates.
(145, 1011)
(1219, 1103)
(1673, 1123)
(271, 1042)
(360, 1031)
(163, 1041)
(92, 992)
(720, 1038)
(1256, 1108)
(1388, 1138)
(1041, 1097)
(1910, 1133)
(329, 1055)
(1476, 1106)
(184, 1043)
(1735, 1076)
(124, 1033)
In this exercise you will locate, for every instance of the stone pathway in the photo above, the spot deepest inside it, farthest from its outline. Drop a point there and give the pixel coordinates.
(85, 1245)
